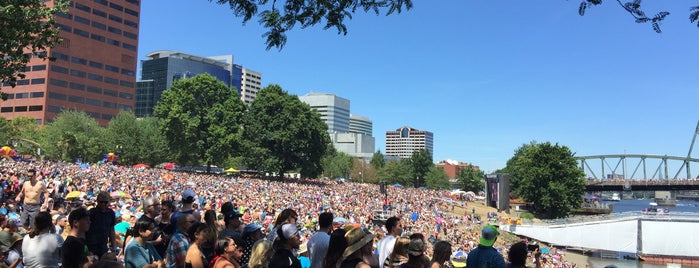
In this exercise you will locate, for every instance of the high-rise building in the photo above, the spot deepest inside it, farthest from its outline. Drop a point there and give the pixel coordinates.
(404, 141)
(164, 67)
(95, 66)
(334, 110)
(251, 83)
(360, 124)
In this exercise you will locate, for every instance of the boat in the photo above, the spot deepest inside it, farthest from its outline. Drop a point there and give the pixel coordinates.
(663, 259)
(666, 202)
(615, 197)
(653, 209)
(592, 206)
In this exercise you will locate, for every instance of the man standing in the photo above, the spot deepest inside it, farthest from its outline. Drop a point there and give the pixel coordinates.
(101, 230)
(318, 244)
(187, 206)
(394, 228)
(485, 255)
(233, 226)
(151, 210)
(31, 192)
(179, 243)
(74, 250)
(59, 223)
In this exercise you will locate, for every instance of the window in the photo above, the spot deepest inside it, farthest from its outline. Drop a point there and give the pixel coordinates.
(76, 99)
(82, 7)
(20, 108)
(78, 60)
(131, 24)
(36, 108)
(129, 46)
(21, 95)
(109, 104)
(110, 92)
(57, 82)
(93, 114)
(63, 28)
(58, 96)
(64, 15)
(114, 30)
(59, 56)
(113, 42)
(93, 102)
(98, 25)
(135, 2)
(39, 67)
(94, 89)
(78, 73)
(10, 96)
(128, 72)
(59, 69)
(81, 32)
(99, 13)
(107, 116)
(125, 107)
(37, 94)
(111, 68)
(126, 83)
(97, 37)
(23, 82)
(38, 81)
(131, 12)
(115, 6)
(53, 109)
(95, 77)
(125, 95)
(102, 2)
(131, 35)
(77, 86)
(82, 20)
(112, 81)
(27, 69)
(6, 110)
(115, 18)
(96, 64)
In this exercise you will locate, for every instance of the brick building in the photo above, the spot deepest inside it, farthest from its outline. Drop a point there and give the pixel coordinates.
(453, 167)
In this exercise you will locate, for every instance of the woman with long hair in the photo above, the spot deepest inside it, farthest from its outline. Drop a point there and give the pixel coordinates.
(138, 252)
(441, 255)
(399, 255)
(336, 247)
(228, 253)
(261, 253)
(416, 255)
(286, 216)
(41, 246)
(358, 252)
(197, 235)
(211, 235)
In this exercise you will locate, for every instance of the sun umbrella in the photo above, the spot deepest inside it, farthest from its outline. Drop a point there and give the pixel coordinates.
(74, 194)
(120, 194)
(141, 166)
(169, 166)
(167, 176)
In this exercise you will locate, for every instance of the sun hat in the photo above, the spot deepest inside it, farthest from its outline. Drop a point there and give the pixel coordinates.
(356, 239)
(458, 259)
(488, 236)
(416, 247)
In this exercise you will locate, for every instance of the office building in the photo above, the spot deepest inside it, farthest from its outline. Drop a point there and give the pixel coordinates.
(404, 141)
(95, 66)
(334, 110)
(250, 84)
(360, 124)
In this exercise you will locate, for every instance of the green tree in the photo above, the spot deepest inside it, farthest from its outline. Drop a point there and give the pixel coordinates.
(420, 163)
(336, 164)
(137, 140)
(397, 171)
(27, 27)
(278, 18)
(378, 160)
(436, 178)
(20, 133)
(471, 179)
(363, 172)
(635, 10)
(201, 120)
(548, 176)
(282, 133)
(72, 135)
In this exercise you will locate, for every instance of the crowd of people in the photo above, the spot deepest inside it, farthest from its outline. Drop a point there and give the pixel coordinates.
(116, 216)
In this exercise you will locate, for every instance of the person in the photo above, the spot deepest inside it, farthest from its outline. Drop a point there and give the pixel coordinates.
(4, 253)
(358, 250)
(485, 255)
(318, 244)
(394, 228)
(303, 256)
(179, 242)
(60, 223)
(228, 253)
(233, 225)
(286, 216)
(336, 247)
(517, 255)
(441, 255)
(287, 239)
(195, 258)
(101, 232)
(416, 255)
(208, 247)
(399, 255)
(139, 253)
(251, 233)
(151, 210)
(30, 194)
(41, 247)
(73, 249)
(165, 221)
(13, 242)
(261, 253)
(187, 206)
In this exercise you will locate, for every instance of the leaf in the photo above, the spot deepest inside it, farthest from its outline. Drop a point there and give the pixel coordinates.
(595, 2)
(642, 20)
(661, 16)
(581, 9)
(656, 27)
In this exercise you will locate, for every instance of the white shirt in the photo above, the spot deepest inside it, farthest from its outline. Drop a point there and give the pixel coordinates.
(42, 250)
(317, 248)
(385, 248)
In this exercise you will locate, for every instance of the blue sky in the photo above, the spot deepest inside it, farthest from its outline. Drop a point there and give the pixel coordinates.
(484, 76)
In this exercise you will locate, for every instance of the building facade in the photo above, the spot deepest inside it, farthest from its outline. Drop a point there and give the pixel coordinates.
(452, 168)
(361, 124)
(251, 83)
(334, 110)
(404, 141)
(95, 66)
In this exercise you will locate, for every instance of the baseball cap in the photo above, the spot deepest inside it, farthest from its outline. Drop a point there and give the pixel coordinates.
(251, 228)
(488, 236)
(188, 195)
(288, 230)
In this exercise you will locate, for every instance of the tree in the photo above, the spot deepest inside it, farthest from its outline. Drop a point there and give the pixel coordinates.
(436, 178)
(27, 27)
(21, 133)
(397, 171)
(363, 172)
(282, 133)
(72, 135)
(137, 140)
(336, 164)
(548, 176)
(471, 179)
(200, 119)
(634, 8)
(420, 163)
(378, 160)
(278, 19)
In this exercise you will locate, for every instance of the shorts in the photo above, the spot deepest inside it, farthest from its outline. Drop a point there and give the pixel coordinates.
(28, 214)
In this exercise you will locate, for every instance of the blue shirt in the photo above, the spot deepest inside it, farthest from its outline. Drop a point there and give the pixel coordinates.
(485, 257)
(136, 256)
(305, 262)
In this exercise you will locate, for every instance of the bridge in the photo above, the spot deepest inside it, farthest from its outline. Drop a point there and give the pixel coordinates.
(641, 172)
(663, 235)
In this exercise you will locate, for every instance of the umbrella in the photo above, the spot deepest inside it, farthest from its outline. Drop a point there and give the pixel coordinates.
(397, 185)
(85, 165)
(339, 220)
(169, 166)
(74, 194)
(167, 176)
(439, 220)
(120, 194)
(141, 166)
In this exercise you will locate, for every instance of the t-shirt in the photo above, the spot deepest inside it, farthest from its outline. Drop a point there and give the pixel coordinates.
(42, 250)
(74, 251)
(385, 248)
(305, 262)
(486, 257)
(318, 248)
(136, 255)
(101, 227)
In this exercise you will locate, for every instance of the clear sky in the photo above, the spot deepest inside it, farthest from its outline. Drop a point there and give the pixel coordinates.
(484, 76)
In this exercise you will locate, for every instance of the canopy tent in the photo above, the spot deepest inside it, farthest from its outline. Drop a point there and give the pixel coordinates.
(140, 166)
(231, 170)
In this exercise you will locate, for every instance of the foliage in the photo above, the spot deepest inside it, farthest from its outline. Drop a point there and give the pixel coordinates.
(471, 179)
(526, 215)
(363, 172)
(27, 27)
(548, 176)
(20, 133)
(420, 163)
(397, 171)
(278, 19)
(634, 8)
(378, 160)
(237, 162)
(436, 178)
(136, 141)
(72, 135)
(336, 164)
(200, 117)
(282, 133)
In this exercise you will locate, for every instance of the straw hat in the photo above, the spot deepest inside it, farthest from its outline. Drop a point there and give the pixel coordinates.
(356, 239)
